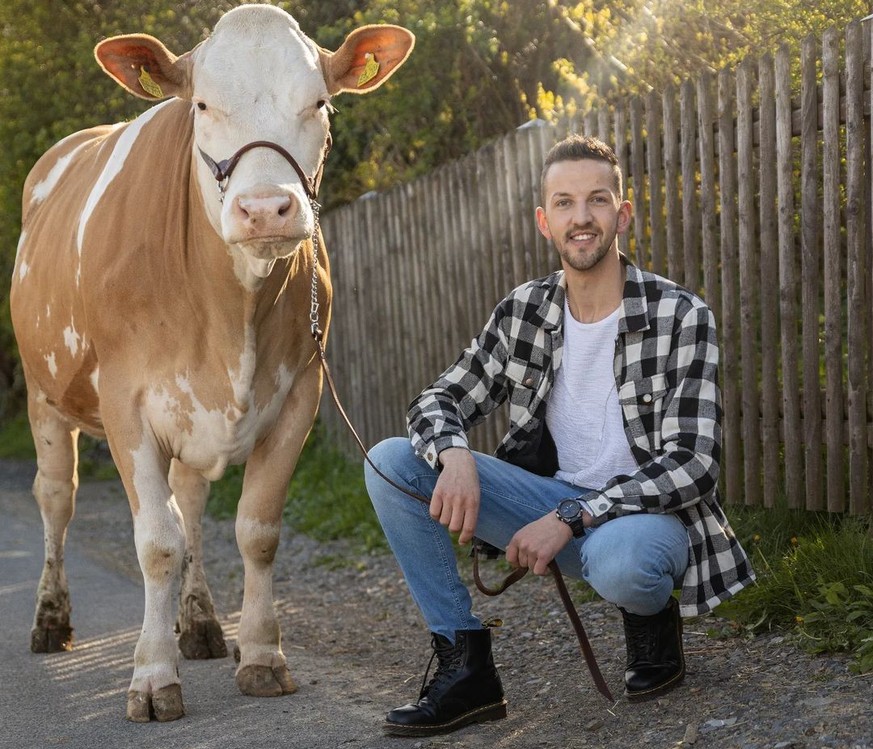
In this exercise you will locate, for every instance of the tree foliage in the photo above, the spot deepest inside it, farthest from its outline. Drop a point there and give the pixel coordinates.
(480, 68)
(635, 46)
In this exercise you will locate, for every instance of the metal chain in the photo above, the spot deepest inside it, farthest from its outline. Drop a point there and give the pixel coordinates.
(313, 308)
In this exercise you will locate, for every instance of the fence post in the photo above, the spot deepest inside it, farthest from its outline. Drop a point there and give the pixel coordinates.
(769, 281)
(730, 310)
(811, 272)
(856, 269)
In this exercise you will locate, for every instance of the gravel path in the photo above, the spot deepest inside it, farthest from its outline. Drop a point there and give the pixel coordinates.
(739, 693)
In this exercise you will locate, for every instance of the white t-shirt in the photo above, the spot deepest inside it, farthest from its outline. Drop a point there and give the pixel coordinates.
(583, 413)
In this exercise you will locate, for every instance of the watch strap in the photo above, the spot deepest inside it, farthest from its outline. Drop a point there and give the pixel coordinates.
(577, 526)
(576, 523)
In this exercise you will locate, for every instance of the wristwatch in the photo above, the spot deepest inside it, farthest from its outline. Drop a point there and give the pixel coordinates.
(569, 511)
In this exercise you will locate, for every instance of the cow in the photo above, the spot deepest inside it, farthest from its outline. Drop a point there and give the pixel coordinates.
(168, 276)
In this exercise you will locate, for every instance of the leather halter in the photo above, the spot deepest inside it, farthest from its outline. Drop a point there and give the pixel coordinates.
(222, 170)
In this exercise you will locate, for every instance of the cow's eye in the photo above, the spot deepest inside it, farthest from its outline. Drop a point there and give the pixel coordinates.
(321, 103)
(201, 105)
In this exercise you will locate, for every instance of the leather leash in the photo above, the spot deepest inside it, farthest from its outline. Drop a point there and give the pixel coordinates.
(514, 576)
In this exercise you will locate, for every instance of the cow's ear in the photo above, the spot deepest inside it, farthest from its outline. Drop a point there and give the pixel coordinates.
(366, 59)
(144, 66)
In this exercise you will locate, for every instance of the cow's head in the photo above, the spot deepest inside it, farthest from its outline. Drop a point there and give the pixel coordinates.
(258, 78)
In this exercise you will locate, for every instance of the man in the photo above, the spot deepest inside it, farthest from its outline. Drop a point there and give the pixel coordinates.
(610, 465)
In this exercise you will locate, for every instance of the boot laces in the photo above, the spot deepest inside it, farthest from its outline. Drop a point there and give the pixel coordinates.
(449, 659)
(641, 643)
(641, 640)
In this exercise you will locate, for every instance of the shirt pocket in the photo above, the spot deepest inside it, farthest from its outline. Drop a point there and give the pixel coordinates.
(524, 380)
(642, 403)
(523, 374)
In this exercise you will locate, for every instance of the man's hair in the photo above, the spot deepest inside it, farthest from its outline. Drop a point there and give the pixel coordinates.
(576, 148)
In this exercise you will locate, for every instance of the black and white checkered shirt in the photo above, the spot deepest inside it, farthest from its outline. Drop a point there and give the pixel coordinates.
(666, 373)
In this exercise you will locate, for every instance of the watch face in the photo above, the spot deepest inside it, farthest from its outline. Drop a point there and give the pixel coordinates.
(569, 509)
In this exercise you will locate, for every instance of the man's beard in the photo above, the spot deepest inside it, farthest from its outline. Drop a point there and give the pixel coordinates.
(587, 261)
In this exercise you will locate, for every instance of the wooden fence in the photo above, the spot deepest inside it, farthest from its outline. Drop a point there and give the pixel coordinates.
(748, 187)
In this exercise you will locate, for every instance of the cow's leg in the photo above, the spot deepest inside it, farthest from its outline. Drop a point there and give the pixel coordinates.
(262, 671)
(200, 634)
(158, 527)
(55, 491)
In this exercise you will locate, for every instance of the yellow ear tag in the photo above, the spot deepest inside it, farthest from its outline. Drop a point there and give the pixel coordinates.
(371, 69)
(148, 84)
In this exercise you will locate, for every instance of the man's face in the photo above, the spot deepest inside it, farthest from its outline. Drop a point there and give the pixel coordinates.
(582, 214)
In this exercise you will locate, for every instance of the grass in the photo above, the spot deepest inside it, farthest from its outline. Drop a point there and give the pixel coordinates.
(327, 498)
(815, 570)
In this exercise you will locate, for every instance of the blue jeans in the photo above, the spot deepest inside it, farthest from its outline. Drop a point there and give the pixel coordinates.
(634, 561)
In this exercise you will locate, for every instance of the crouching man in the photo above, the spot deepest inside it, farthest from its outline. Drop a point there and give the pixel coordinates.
(610, 465)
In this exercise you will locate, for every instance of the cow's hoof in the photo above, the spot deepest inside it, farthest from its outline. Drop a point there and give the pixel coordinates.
(164, 705)
(167, 703)
(203, 640)
(262, 681)
(51, 639)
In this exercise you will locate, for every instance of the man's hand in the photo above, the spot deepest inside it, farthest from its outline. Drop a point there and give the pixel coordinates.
(455, 500)
(538, 543)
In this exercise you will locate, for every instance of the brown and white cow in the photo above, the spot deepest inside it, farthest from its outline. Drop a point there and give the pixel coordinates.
(174, 319)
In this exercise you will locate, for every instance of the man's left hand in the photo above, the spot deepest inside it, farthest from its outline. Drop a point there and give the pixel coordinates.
(538, 543)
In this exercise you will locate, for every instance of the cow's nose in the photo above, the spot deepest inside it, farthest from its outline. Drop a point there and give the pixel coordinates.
(266, 215)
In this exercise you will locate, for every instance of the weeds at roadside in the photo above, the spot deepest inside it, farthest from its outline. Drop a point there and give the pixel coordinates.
(815, 580)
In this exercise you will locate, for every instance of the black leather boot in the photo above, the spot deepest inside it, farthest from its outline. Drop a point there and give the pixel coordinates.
(655, 661)
(465, 689)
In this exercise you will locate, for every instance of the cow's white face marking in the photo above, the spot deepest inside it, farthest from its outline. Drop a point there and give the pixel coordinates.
(95, 379)
(22, 271)
(52, 364)
(258, 78)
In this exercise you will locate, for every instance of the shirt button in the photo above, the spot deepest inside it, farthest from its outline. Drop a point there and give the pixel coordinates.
(647, 398)
(429, 457)
(529, 381)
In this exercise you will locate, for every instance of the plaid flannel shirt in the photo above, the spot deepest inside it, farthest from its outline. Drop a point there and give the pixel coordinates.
(666, 373)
